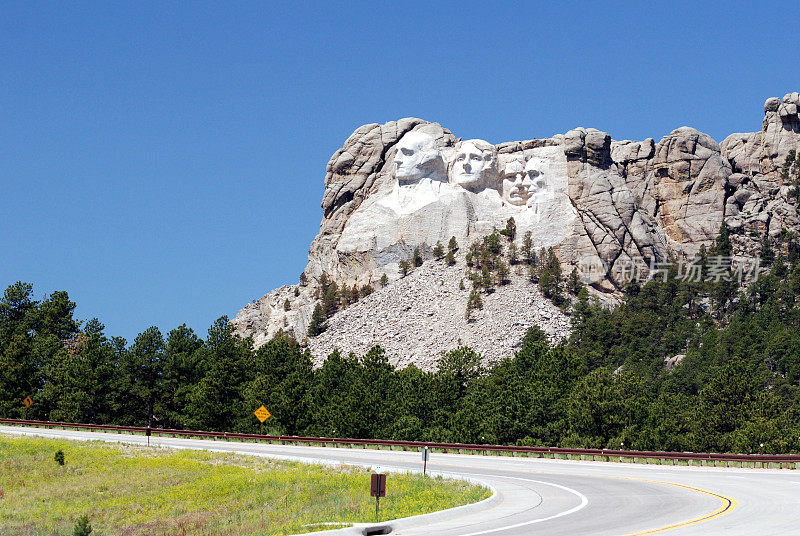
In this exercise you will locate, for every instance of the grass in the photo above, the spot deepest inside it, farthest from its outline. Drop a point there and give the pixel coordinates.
(132, 490)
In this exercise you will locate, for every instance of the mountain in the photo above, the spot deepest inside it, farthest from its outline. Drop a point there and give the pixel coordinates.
(610, 210)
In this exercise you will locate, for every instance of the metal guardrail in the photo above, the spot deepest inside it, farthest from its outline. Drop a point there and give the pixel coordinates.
(784, 460)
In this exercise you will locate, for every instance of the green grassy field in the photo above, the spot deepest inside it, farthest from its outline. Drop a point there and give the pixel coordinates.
(135, 490)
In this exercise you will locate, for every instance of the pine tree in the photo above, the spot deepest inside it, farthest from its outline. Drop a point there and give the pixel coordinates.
(344, 296)
(323, 286)
(550, 278)
(502, 273)
(793, 248)
(553, 263)
(450, 259)
(767, 253)
(473, 302)
(384, 280)
(318, 322)
(438, 251)
(142, 375)
(296, 291)
(452, 245)
(405, 267)
(574, 283)
(513, 256)
(491, 244)
(477, 280)
(355, 293)
(216, 401)
(510, 231)
(546, 283)
(486, 279)
(787, 166)
(286, 305)
(702, 259)
(533, 274)
(461, 285)
(303, 279)
(182, 371)
(477, 301)
(30, 338)
(790, 173)
(528, 253)
(366, 290)
(79, 381)
(723, 246)
(330, 300)
(417, 258)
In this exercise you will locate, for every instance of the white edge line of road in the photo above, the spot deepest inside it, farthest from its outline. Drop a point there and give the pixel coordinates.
(581, 496)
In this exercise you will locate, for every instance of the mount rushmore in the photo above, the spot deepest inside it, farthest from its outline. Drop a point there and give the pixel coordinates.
(600, 204)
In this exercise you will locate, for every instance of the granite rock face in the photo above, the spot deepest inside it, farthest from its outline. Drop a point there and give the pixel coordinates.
(612, 230)
(601, 204)
(690, 179)
(764, 152)
(759, 201)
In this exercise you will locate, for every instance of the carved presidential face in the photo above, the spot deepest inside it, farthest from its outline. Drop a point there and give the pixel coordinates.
(417, 157)
(516, 184)
(475, 165)
(535, 173)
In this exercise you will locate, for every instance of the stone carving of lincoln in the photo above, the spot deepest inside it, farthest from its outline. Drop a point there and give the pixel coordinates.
(535, 174)
(516, 184)
(475, 165)
(418, 157)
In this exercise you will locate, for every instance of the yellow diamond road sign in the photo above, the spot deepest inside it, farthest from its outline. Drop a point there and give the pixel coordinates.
(28, 401)
(262, 414)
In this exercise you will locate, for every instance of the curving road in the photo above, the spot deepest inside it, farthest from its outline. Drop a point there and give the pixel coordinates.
(555, 497)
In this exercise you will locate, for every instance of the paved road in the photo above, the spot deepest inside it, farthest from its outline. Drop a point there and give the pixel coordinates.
(560, 498)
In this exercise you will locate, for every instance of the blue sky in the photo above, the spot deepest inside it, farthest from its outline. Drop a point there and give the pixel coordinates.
(164, 162)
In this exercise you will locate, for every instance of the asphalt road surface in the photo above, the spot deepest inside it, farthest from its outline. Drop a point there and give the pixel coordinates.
(556, 497)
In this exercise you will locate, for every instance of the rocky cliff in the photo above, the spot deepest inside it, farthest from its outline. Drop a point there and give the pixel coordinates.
(603, 205)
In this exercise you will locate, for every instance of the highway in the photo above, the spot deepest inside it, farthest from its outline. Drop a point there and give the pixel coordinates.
(553, 497)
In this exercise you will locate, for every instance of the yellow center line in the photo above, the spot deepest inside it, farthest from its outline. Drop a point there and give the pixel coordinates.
(728, 503)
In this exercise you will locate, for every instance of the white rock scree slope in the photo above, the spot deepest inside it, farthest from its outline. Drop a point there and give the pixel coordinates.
(602, 204)
(556, 498)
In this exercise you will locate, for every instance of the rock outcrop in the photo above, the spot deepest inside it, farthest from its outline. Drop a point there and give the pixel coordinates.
(690, 177)
(602, 205)
(763, 153)
(759, 201)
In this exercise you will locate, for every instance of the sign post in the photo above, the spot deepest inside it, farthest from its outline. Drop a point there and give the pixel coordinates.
(28, 403)
(262, 414)
(147, 433)
(425, 455)
(378, 490)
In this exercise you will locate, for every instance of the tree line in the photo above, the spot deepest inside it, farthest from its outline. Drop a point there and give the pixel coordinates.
(736, 389)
